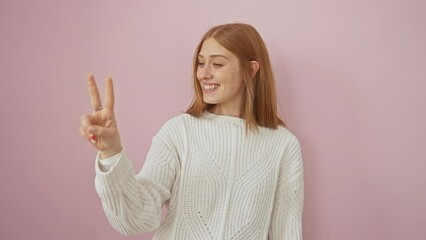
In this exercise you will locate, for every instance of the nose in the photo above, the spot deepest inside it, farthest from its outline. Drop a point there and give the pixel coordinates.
(204, 73)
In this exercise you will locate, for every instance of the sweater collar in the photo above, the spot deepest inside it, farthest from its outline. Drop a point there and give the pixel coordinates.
(223, 118)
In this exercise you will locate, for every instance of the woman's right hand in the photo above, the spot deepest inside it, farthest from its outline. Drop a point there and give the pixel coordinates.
(100, 127)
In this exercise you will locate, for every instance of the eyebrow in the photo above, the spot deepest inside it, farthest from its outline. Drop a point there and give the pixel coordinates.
(213, 56)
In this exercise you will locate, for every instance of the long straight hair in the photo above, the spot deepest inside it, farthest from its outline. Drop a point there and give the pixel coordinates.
(259, 105)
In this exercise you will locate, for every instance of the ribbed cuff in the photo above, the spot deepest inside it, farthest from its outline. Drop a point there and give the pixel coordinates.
(105, 165)
(120, 172)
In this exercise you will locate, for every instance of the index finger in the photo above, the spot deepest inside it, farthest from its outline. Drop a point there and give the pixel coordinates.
(109, 94)
(95, 98)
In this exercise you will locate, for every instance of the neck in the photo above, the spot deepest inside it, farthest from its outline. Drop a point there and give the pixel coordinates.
(231, 112)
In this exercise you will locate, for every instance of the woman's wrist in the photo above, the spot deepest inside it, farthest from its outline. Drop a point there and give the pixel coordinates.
(111, 152)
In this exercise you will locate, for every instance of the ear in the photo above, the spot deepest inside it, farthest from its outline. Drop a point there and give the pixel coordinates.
(254, 65)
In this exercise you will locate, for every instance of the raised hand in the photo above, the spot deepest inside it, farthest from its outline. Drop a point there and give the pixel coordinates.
(100, 127)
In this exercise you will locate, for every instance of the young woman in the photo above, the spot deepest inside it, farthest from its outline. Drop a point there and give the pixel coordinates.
(228, 168)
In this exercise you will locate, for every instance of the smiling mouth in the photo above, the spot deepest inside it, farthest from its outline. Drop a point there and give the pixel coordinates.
(211, 86)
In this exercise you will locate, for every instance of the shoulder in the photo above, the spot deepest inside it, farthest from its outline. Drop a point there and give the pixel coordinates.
(177, 122)
(292, 152)
(283, 135)
(287, 140)
(175, 127)
(287, 134)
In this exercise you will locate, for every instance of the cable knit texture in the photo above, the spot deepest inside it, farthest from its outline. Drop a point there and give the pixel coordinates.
(217, 180)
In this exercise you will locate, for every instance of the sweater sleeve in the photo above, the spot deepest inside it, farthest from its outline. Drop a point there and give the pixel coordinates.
(132, 203)
(286, 222)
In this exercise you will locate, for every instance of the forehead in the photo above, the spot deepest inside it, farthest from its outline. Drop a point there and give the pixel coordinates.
(212, 47)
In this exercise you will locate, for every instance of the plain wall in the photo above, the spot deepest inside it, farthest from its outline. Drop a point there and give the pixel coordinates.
(351, 80)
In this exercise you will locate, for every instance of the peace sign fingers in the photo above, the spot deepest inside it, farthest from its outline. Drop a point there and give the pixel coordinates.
(95, 98)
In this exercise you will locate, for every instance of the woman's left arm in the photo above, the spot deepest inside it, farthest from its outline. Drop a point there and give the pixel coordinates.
(286, 222)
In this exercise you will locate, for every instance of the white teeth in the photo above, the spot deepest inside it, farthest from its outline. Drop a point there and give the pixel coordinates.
(209, 87)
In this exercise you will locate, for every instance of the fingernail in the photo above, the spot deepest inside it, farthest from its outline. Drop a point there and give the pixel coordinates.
(92, 138)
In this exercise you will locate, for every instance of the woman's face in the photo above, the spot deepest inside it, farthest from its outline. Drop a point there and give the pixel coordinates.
(219, 74)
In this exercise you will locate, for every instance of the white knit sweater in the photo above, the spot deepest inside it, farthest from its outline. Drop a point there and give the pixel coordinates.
(218, 181)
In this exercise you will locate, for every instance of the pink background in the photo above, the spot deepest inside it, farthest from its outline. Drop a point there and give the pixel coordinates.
(351, 79)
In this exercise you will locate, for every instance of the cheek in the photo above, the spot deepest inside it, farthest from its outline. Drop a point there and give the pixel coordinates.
(236, 71)
(237, 79)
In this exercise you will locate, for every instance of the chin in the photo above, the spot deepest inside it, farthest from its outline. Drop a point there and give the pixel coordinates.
(211, 101)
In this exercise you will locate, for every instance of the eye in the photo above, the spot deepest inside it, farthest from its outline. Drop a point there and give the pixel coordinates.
(218, 65)
(200, 64)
